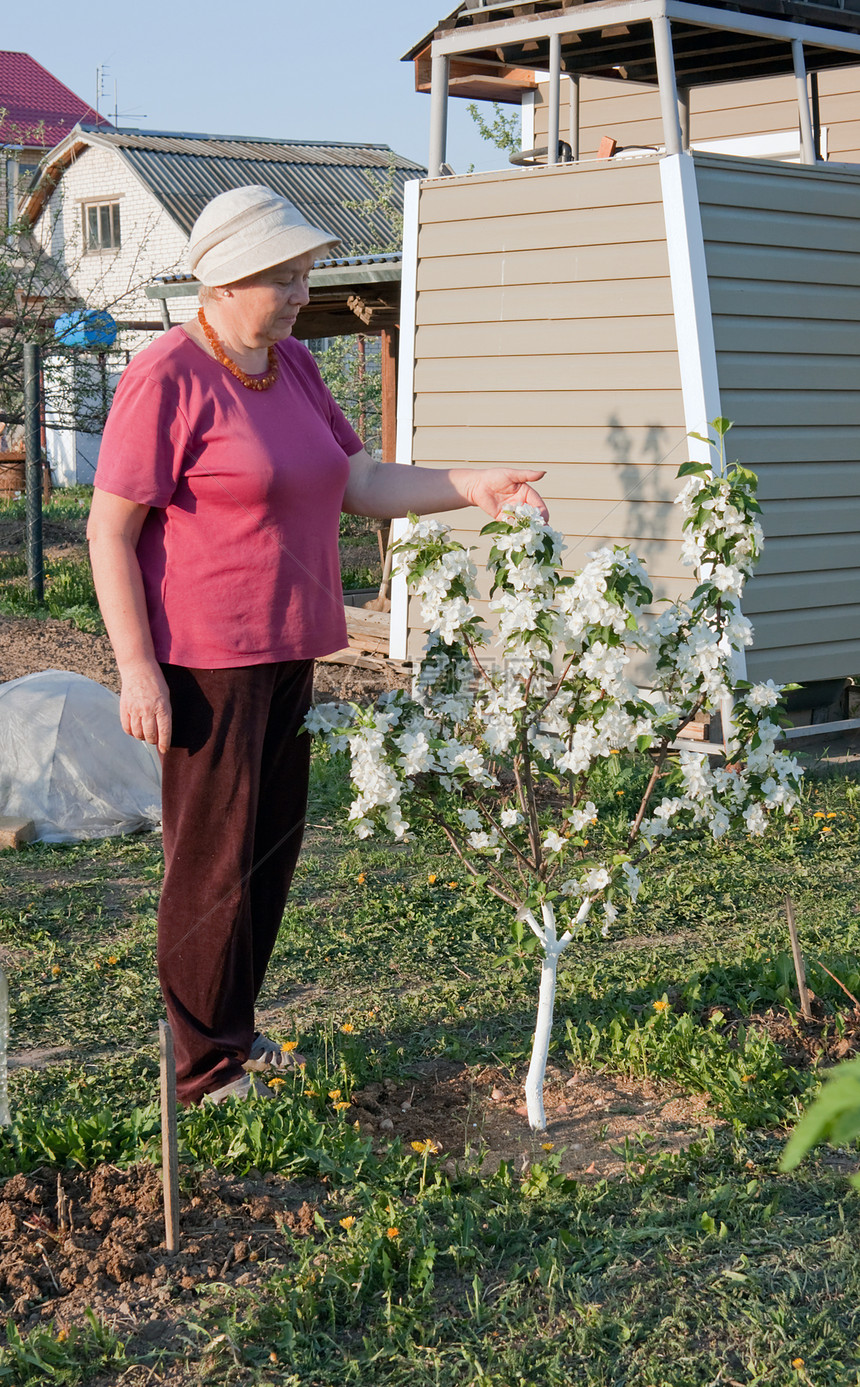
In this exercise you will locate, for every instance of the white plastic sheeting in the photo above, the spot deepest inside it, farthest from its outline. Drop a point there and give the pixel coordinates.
(66, 763)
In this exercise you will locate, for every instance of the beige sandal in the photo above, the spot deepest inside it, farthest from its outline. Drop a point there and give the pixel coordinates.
(269, 1054)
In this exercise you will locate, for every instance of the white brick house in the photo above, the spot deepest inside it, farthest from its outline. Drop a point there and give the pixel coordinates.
(115, 209)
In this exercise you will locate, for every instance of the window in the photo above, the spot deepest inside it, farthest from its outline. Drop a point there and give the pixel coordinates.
(101, 226)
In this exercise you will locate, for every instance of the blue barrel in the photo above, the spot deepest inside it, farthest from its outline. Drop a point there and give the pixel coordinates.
(86, 327)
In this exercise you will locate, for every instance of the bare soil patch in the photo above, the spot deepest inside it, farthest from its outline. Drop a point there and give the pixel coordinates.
(95, 1240)
(482, 1115)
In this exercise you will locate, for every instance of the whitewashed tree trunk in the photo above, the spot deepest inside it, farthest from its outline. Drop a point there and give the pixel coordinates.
(553, 949)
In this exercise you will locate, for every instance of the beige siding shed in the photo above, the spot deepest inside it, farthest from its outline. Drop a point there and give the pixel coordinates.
(585, 317)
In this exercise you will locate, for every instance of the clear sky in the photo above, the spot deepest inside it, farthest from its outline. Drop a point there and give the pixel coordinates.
(329, 71)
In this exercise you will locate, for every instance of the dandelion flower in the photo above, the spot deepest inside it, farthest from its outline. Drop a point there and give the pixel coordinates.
(425, 1147)
(347, 1028)
(348, 1222)
(112, 958)
(825, 828)
(272, 1082)
(392, 1233)
(334, 1094)
(819, 814)
(273, 1357)
(56, 969)
(453, 885)
(662, 1005)
(339, 1107)
(797, 1362)
(289, 1045)
(833, 816)
(747, 1078)
(431, 877)
(547, 1146)
(62, 1335)
(361, 878)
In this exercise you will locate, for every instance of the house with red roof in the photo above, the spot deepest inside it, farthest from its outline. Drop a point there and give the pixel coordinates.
(37, 111)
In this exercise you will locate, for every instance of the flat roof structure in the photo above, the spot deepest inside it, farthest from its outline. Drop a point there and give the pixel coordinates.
(671, 44)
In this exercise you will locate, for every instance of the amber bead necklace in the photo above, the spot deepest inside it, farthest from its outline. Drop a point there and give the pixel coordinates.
(250, 382)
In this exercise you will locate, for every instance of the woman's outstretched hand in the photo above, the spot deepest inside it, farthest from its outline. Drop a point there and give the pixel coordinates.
(496, 489)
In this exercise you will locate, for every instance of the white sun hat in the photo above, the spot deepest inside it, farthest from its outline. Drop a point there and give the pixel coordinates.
(246, 230)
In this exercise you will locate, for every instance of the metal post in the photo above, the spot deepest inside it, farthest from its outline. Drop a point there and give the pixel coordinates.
(438, 116)
(815, 99)
(807, 142)
(33, 455)
(573, 128)
(684, 115)
(554, 98)
(5, 1119)
(668, 86)
(165, 314)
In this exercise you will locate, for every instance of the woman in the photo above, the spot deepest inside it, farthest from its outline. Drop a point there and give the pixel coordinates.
(213, 534)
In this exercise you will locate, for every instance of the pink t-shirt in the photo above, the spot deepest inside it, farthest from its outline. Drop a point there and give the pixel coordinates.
(239, 553)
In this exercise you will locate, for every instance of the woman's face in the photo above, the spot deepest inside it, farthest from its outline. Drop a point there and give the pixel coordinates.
(263, 308)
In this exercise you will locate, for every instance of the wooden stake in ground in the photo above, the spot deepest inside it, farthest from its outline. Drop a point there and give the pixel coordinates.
(800, 970)
(169, 1147)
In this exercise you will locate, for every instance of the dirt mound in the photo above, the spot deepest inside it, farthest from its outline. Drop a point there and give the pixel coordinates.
(69, 1242)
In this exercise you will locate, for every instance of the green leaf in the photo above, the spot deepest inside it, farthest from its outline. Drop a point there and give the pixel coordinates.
(694, 469)
(834, 1117)
(722, 425)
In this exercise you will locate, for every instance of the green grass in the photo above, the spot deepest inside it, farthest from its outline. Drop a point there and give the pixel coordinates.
(708, 1267)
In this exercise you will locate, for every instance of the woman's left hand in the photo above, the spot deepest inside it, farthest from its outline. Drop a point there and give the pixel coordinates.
(497, 489)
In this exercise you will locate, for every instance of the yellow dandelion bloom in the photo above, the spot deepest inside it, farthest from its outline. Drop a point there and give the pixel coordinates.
(56, 969)
(615, 752)
(392, 1233)
(62, 1335)
(273, 1357)
(361, 878)
(747, 1078)
(825, 828)
(112, 958)
(334, 1093)
(272, 1082)
(97, 966)
(547, 1146)
(348, 1222)
(347, 1028)
(339, 1107)
(819, 815)
(797, 1362)
(453, 885)
(425, 1147)
(312, 1092)
(289, 1045)
(833, 816)
(431, 877)
(662, 1005)
(619, 792)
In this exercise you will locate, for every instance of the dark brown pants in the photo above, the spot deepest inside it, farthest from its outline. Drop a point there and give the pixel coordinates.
(234, 795)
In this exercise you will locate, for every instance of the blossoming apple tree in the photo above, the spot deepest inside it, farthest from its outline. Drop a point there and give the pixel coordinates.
(508, 757)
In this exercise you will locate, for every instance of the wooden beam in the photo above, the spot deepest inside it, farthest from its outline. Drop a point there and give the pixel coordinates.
(389, 348)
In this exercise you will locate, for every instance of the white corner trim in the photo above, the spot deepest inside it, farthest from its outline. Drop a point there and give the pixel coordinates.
(691, 300)
(405, 399)
(527, 121)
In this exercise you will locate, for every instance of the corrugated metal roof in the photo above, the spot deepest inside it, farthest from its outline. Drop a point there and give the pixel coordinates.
(184, 171)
